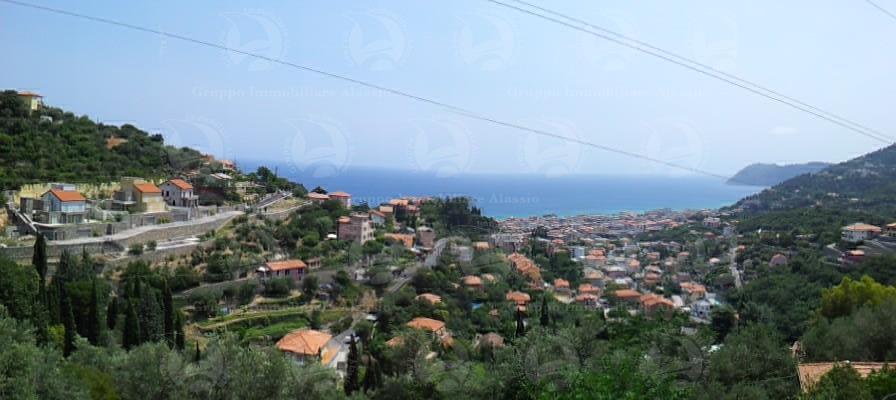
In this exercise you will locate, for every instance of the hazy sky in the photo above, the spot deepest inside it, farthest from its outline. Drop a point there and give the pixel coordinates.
(838, 55)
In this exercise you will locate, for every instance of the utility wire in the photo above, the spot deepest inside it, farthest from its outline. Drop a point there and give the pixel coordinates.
(701, 68)
(453, 108)
(881, 9)
(701, 65)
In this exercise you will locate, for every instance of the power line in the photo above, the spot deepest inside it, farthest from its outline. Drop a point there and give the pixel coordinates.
(881, 9)
(453, 108)
(701, 65)
(701, 68)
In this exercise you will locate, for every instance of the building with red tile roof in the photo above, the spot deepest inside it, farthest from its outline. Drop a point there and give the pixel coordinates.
(305, 344)
(430, 298)
(294, 269)
(429, 325)
(179, 193)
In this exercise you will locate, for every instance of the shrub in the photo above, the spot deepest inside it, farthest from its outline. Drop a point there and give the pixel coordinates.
(279, 287)
(135, 249)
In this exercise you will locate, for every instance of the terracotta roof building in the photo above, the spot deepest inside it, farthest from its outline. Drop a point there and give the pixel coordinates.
(520, 298)
(294, 269)
(430, 298)
(627, 295)
(305, 344)
(428, 324)
(472, 281)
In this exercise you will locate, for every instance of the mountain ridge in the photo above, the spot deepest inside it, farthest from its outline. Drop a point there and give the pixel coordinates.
(760, 174)
(866, 183)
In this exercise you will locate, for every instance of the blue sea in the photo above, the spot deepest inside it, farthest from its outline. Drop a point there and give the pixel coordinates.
(505, 196)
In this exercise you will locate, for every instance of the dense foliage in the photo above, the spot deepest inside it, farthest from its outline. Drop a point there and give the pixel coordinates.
(50, 145)
(863, 184)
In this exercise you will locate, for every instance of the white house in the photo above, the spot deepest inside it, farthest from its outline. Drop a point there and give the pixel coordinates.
(859, 231)
(179, 193)
(702, 309)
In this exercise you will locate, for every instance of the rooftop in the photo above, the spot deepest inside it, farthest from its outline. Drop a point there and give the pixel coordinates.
(181, 184)
(426, 324)
(285, 265)
(306, 342)
(67, 195)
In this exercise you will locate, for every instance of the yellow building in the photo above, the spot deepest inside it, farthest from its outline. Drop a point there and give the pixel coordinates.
(137, 195)
(32, 100)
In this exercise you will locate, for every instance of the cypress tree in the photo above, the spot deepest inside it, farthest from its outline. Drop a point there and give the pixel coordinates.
(150, 314)
(112, 313)
(64, 268)
(373, 376)
(351, 372)
(93, 316)
(131, 334)
(520, 325)
(87, 265)
(39, 260)
(68, 321)
(54, 300)
(168, 310)
(179, 334)
(42, 315)
(545, 314)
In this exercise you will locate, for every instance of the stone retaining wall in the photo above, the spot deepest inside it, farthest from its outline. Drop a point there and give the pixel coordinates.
(107, 245)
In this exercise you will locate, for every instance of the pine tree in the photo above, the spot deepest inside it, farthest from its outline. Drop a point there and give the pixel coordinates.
(131, 334)
(94, 327)
(68, 322)
(520, 325)
(112, 313)
(168, 310)
(351, 372)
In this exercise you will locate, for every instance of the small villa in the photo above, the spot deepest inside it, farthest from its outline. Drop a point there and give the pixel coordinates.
(294, 269)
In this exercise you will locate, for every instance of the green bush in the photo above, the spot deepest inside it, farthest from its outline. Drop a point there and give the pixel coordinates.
(279, 287)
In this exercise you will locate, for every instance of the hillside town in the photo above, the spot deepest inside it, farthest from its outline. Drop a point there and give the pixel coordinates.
(447, 200)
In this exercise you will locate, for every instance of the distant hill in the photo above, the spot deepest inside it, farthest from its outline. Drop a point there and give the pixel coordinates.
(52, 145)
(865, 184)
(773, 174)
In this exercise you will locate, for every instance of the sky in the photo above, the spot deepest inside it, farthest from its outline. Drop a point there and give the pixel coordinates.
(473, 54)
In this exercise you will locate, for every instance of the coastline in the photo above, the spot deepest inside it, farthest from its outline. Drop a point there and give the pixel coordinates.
(525, 195)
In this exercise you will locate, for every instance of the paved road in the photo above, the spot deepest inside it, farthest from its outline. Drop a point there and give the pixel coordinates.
(733, 267)
(272, 199)
(433, 258)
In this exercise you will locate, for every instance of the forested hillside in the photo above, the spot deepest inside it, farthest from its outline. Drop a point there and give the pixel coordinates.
(864, 184)
(772, 174)
(55, 145)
